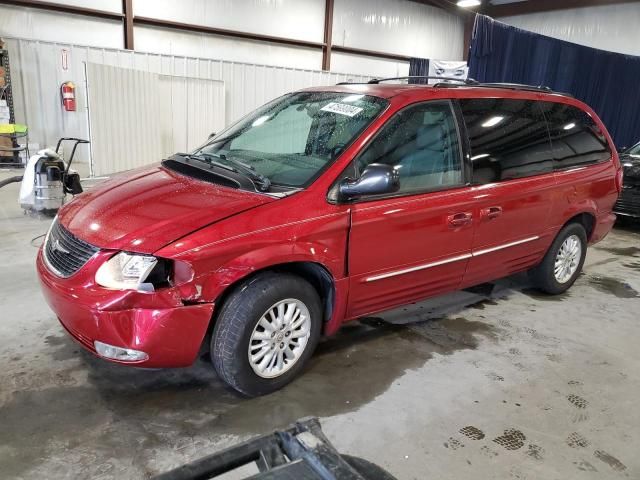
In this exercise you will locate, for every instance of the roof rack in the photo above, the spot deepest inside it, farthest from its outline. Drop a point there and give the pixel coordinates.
(450, 82)
(508, 86)
(466, 81)
(375, 81)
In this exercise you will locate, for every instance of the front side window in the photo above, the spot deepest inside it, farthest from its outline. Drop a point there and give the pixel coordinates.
(575, 137)
(291, 140)
(508, 139)
(421, 143)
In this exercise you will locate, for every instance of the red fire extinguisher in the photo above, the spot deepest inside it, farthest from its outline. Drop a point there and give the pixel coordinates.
(68, 92)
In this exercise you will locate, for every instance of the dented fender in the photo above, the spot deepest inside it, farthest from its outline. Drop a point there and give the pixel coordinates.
(207, 285)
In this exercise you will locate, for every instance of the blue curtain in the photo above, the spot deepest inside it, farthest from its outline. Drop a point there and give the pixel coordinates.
(418, 66)
(606, 81)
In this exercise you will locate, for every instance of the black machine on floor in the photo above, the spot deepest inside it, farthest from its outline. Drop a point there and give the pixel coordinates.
(301, 452)
(628, 204)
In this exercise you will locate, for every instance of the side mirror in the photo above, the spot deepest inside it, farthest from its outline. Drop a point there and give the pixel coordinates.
(376, 179)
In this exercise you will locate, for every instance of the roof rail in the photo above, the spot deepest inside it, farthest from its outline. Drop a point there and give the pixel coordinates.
(516, 86)
(508, 86)
(466, 81)
(375, 81)
(449, 82)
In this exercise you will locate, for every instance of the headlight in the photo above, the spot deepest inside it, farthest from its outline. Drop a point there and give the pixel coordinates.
(128, 271)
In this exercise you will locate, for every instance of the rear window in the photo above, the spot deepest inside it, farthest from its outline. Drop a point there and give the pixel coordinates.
(508, 138)
(575, 138)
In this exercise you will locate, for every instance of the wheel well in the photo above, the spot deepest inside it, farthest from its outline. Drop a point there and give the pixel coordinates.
(586, 220)
(317, 275)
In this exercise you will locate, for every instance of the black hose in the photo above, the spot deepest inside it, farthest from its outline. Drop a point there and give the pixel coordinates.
(9, 180)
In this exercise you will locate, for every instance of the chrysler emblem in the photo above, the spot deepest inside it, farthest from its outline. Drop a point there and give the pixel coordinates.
(57, 247)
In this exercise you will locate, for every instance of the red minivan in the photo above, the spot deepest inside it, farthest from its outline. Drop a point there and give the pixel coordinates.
(320, 207)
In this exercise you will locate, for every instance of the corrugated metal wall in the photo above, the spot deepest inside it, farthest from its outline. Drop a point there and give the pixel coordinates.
(38, 71)
(156, 116)
(124, 127)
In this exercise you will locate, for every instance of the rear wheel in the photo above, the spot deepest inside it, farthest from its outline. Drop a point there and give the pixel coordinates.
(563, 261)
(266, 331)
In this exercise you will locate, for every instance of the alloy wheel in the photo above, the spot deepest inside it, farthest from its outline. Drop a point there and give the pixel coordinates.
(279, 338)
(567, 259)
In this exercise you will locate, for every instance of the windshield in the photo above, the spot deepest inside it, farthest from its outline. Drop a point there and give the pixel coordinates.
(290, 140)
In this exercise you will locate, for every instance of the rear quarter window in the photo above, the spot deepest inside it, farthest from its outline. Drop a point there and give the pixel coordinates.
(576, 139)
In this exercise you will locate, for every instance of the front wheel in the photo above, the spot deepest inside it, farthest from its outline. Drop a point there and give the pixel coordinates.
(563, 261)
(265, 332)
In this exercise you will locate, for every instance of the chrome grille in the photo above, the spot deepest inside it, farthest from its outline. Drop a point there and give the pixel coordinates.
(64, 253)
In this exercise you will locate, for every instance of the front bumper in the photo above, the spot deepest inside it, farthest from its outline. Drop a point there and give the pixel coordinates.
(158, 323)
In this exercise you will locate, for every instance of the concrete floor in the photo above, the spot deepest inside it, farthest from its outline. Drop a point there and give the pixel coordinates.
(497, 383)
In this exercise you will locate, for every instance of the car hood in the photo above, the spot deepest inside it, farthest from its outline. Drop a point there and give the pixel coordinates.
(145, 209)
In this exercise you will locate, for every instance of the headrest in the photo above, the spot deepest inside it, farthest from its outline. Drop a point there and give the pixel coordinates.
(433, 118)
(430, 136)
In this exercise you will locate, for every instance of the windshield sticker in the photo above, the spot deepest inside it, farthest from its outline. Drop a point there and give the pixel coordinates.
(342, 109)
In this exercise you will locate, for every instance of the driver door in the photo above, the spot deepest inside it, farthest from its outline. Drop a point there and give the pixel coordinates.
(416, 242)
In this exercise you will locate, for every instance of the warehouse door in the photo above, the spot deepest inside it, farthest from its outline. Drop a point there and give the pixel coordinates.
(137, 118)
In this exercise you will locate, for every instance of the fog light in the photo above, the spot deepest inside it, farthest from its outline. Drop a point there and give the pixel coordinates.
(119, 353)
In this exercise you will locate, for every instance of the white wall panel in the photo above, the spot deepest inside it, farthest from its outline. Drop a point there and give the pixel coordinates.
(37, 75)
(398, 26)
(107, 5)
(378, 67)
(125, 118)
(299, 19)
(139, 117)
(610, 27)
(196, 110)
(60, 27)
(174, 42)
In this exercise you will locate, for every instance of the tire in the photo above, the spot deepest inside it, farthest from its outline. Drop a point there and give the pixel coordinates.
(544, 276)
(238, 321)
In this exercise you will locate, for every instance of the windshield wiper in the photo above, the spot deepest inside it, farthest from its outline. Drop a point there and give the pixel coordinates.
(261, 182)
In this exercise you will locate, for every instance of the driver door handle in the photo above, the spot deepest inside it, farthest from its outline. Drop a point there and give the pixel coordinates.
(460, 219)
(491, 212)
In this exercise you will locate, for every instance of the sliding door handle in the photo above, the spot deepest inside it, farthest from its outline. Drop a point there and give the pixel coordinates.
(460, 219)
(491, 212)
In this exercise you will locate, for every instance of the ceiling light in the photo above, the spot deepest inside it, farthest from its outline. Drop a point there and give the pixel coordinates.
(569, 126)
(468, 3)
(493, 121)
(478, 157)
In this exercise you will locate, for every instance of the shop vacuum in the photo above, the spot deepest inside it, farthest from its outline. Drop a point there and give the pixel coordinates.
(47, 180)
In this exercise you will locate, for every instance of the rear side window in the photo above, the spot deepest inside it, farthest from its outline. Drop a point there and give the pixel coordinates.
(508, 138)
(575, 137)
